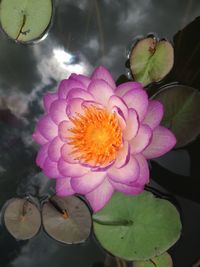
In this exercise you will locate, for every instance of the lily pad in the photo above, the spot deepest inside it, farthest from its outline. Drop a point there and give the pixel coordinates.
(151, 60)
(22, 218)
(137, 227)
(163, 260)
(67, 219)
(25, 20)
(182, 112)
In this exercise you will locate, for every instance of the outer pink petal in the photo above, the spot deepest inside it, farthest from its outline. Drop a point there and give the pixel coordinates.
(101, 91)
(80, 93)
(120, 116)
(132, 125)
(48, 99)
(100, 196)
(54, 151)
(138, 100)
(144, 170)
(123, 156)
(127, 174)
(50, 169)
(47, 127)
(63, 187)
(154, 114)
(38, 138)
(123, 88)
(42, 155)
(117, 102)
(66, 86)
(74, 107)
(101, 73)
(71, 170)
(141, 140)
(63, 130)
(126, 189)
(88, 182)
(58, 111)
(163, 141)
(81, 78)
(67, 155)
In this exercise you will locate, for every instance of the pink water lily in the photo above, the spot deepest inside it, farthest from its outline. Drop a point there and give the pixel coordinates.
(96, 137)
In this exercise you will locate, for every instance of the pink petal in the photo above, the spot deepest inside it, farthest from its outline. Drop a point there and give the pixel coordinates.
(127, 174)
(67, 155)
(131, 125)
(99, 197)
(88, 182)
(141, 140)
(144, 170)
(81, 78)
(48, 99)
(163, 141)
(74, 107)
(138, 100)
(117, 102)
(121, 118)
(38, 138)
(50, 169)
(123, 156)
(123, 88)
(71, 170)
(42, 155)
(101, 91)
(101, 73)
(63, 130)
(66, 85)
(47, 127)
(63, 187)
(126, 189)
(58, 111)
(54, 151)
(154, 114)
(80, 93)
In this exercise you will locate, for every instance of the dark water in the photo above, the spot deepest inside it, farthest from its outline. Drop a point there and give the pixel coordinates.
(84, 34)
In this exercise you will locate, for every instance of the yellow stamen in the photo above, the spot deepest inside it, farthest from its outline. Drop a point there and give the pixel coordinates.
(96, 136)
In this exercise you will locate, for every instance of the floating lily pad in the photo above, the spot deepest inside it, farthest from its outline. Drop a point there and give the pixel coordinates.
(151, 60)
(163, 260)
(137, 227)
(25, 20)
(182, 112)
(67, 219)
(22, 218)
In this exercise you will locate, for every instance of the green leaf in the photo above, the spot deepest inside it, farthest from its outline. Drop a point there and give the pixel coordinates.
(182, 112)
(163, 260)
(66, 219)
(25, 20)
(21, 218)
(137, 227)
(151, 60)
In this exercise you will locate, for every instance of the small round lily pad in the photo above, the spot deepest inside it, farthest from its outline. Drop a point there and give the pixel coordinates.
(67, 219)
(137, 227)
(25, 20)
(151, 60)
(22, 218)
(163, 260)
(182, 112)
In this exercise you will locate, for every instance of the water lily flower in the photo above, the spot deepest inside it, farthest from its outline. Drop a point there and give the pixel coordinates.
(96, 137)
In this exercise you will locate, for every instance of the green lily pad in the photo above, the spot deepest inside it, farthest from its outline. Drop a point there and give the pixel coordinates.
(151, 60)
(22, 218)
(25, 20)
(163, 260)
(182, 112)
(137, 227)
(67, 219)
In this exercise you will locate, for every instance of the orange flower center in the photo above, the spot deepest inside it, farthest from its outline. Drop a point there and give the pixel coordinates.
(96, 136)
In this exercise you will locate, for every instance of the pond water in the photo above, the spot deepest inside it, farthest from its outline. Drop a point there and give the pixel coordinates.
(84, 34)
